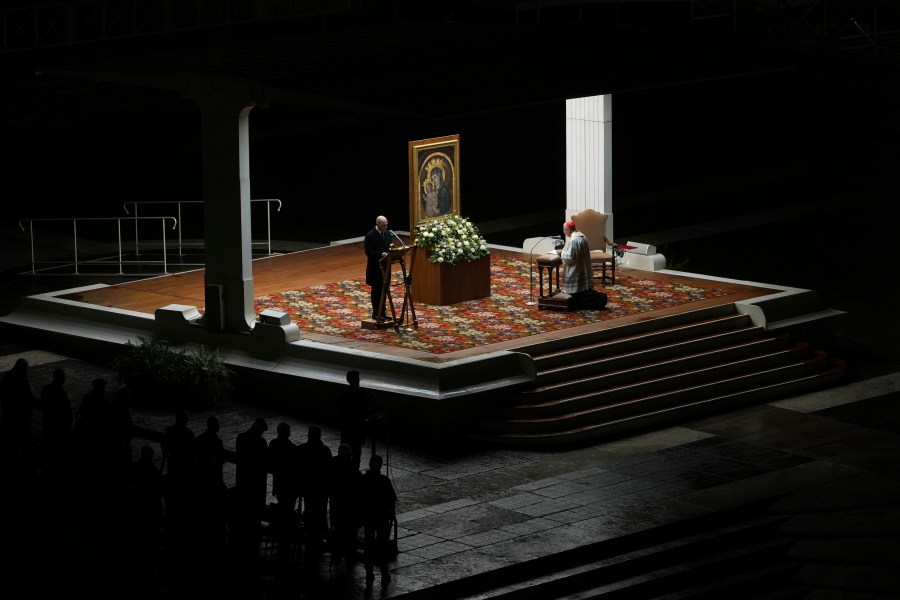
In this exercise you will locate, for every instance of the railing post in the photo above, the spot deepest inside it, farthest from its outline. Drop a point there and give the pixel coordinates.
(75, 238)
(165, 264)
(119, 231)
(137, 246)
(269, 225)
(31, 237)
(180, 249)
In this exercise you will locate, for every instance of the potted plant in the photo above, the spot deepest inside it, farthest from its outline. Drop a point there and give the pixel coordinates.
(157, 374)
(208, 379)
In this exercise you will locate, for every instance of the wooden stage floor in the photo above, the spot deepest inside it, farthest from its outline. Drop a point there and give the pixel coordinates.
(298, 270)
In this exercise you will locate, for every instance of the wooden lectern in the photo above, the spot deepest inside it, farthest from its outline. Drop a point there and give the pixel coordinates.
(554, 298)
(408, 311)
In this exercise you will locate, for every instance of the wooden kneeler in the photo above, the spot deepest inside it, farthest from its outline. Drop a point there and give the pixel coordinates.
(554, 298)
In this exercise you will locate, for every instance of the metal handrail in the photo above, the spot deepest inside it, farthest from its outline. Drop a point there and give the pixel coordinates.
(178, 203)
(75, 220)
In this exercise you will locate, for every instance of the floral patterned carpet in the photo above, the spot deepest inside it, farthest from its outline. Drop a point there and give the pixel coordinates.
(338, 309)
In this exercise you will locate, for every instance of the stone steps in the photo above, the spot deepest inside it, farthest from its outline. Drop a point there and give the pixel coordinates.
(653, 375)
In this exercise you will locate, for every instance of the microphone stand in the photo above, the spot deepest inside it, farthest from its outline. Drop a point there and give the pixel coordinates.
(387, 279)
(531, 302)
(402, 243)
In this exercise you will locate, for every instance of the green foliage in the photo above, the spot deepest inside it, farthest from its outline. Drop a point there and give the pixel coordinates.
(209, 380)
(157, 374)
(148, 364)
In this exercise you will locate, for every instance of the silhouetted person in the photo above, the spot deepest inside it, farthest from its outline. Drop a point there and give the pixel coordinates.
(209, 443)
(180, 511)
(210, 517)
(16, 401)
(92, 433)
(344, 495)
(56, 431)
(251, 479)
(178, 491)
(146, 506)
(252, 453)
(94, 407)
(46, 527)
(178, 439)
(122, 427)
(283, 464)
(379, 501)
(18, 519)
(353, 412)
(314, 459)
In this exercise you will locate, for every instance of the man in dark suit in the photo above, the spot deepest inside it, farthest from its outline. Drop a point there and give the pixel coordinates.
(376, 244)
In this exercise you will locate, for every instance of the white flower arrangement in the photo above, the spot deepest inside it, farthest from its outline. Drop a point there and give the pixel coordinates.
(450, 239)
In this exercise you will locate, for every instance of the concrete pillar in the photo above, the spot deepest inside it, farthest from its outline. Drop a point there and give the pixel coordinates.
(589, 154)
(225, 110)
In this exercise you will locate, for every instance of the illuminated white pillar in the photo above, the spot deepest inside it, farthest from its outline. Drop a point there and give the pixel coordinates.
(589, 154)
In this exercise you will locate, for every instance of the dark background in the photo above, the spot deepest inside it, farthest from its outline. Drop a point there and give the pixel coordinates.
(763, 148)
(682, 155)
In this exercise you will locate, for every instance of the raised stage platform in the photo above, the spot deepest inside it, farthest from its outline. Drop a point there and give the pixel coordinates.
(304, 369)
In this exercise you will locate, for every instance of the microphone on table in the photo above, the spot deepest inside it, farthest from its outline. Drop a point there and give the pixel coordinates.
(391, 231)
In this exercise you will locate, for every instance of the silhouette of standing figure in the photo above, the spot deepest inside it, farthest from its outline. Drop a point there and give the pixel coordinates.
(354, 410)
(94, 409)
(210, 518)
(179, 439)
(251, 481)
(16, 401)
(282, 461)
(209, 443)
(93, 432)
(146, 503)
(314, 458)
(252, 456)
(57, 426)
(122, 427)
(379, 501)
(344, 495)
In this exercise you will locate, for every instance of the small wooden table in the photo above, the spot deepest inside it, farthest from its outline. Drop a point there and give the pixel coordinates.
(554, 298)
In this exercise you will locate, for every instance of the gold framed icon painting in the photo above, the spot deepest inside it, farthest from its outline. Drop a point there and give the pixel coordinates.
(433, 178)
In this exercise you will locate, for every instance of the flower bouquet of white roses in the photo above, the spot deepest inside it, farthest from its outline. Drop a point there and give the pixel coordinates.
(450, 239)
